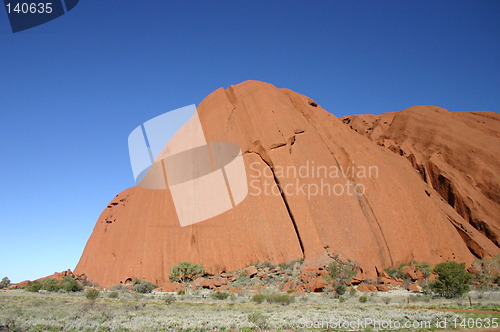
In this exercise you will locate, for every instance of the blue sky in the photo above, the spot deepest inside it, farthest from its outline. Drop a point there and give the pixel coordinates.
(73, 89)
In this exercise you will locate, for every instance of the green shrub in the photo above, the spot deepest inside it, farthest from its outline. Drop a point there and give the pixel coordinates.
(92, 295)
(258, 319)
(484, 274)
(341, 299)
(169, 299)
(4, 283)
(353, 291)
(113, 295)
(425, 268)
(143, 286)
(397, 272)
(34, 286)
(282, 299)
(363, 299)
(290, 291)
(50, 285)
(267, 264)
(453, 280)
(70, 285)
(259, 298)
(186, 271)
(340, 289)
(290, 265)
(181, 292)
(340, 273)
(218, 295)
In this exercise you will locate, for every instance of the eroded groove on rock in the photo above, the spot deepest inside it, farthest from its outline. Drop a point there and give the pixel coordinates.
(425, 135)
(372, 219)
(446, 189)
(283, 197)
(472, 245)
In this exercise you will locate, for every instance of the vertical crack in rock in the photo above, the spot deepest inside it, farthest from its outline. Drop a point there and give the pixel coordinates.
(362, 200)
(267, 160)
(232, 100)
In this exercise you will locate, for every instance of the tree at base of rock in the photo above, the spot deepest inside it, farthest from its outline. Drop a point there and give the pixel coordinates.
(453, 280)
(186, 272)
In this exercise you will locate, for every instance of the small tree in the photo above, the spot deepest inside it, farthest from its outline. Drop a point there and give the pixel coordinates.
(186, 271)
(340, 273)
(453, 280)
(92, 295)
(4, 283)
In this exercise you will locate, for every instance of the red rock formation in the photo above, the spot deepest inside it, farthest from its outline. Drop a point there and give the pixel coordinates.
(456, 153)
(398, 218)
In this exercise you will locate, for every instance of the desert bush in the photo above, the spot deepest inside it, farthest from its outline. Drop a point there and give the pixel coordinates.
(259, 298)
(186, 271)
(363, 299)
(92, 295)
(143, 286)
(340, 273)
(352, 292)
(289, 291)
(265, 264)
(70, 285)
(34, 286)
(282, 299)
(50, 285)
(426, 287)
(453, 280)
(487, 272)
(341, 299)
(340, 289)
(169, 299)
(386, 300)
(113, 295)
(425, 268)
(4, 283)
(396, 272)
(218, 295)
(258, 319)
(291, 264)
(181, 292)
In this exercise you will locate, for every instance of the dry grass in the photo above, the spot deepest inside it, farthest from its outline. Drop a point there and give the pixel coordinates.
(24, 311)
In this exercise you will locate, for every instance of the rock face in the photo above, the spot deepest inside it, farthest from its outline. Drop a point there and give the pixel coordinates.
(341, 194)
(455, 153)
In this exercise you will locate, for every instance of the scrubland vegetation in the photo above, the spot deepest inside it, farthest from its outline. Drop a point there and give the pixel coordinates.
(454, 296)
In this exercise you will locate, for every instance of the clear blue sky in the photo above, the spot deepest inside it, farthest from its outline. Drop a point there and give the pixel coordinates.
(73, 89)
